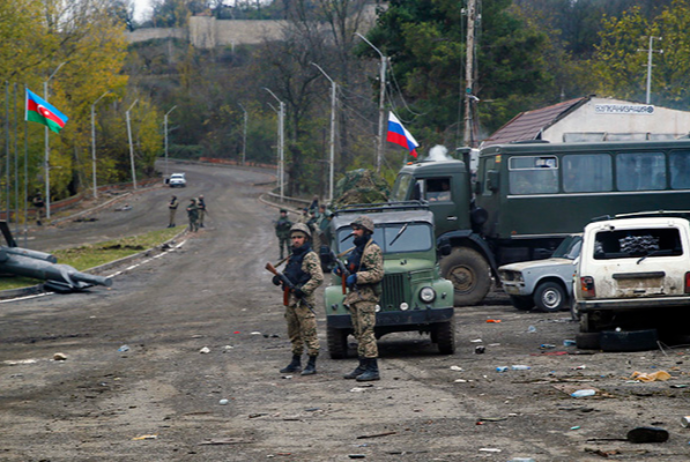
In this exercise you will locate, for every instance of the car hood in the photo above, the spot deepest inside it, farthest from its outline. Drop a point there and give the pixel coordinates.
(528, 265)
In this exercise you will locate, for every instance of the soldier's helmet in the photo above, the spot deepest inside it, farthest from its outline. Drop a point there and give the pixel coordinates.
(283, 211)
(302, 228)
(193, 199)
(365, 222)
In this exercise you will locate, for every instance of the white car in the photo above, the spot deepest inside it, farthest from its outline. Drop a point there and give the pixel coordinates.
(544, 283)
(633, 265)
(177, 180)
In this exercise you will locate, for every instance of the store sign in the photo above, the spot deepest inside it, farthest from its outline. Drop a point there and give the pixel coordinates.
(643, 109)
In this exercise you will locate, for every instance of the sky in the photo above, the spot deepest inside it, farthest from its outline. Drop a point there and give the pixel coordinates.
(141, 8)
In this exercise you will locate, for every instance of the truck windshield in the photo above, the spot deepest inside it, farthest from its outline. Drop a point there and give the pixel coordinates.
(415, 237)
(569, 248)
(402, 184)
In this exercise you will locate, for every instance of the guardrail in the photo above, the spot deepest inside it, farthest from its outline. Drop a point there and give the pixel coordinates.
(288, 202)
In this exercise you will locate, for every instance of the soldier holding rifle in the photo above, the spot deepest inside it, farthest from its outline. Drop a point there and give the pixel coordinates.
(301, 278)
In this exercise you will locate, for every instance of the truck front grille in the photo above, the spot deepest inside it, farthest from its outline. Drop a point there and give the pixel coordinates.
(394, 292)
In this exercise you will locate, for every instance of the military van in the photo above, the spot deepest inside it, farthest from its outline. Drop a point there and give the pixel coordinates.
(527, 197)
(414, 297)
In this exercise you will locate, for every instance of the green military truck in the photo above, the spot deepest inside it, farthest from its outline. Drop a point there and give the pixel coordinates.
(528, 196)
(414, 297)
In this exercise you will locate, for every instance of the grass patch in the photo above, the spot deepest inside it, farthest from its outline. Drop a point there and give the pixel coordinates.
(89, 256)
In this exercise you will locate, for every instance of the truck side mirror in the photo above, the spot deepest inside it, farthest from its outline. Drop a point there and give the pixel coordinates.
(492, 180)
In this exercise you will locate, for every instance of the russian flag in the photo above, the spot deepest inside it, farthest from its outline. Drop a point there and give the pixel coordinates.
(399, 135)
(39, 110)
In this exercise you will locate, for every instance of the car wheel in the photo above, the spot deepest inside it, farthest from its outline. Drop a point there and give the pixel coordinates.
(445, 337)
(550, 297)
(522, 303)
(337, 342)
(588, 341)
(470, 274)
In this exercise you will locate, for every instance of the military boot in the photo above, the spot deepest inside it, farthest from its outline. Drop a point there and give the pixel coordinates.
(294, 366)
(311, 366)
(371, 372)
(359, 370)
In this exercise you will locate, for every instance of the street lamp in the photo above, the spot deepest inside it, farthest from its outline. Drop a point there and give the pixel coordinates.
(131, 146)
(332, 140)
(47, 155)
(281, 141)
(93, 143)
(165, 129)
(244, 135)
(382, 96)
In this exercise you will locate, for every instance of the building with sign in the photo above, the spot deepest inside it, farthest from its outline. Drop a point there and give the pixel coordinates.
(594, 119)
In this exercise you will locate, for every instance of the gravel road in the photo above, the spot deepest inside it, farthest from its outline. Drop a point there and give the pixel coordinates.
(161, 399)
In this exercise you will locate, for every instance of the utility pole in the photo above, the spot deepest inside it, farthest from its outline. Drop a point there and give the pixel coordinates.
(382, 97)
(281, 141)
(331, 143)
(131, 146)
(469, 72)
(93, 144)
(244, 135)
(650, 50)
(165, 129)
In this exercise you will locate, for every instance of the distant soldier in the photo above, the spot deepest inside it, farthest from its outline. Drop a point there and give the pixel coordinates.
(172, 207)
(193, 215)
(303, 270)
(305, 217)
(313, 224)
(38, 204)
(365, 264)
(282, 227)
(201, 205)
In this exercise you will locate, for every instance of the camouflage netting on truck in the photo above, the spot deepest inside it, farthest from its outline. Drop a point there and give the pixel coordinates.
(360, 187)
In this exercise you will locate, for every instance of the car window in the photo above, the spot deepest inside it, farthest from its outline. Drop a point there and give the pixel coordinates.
(636, 243)
(394, 237)
(569, 248)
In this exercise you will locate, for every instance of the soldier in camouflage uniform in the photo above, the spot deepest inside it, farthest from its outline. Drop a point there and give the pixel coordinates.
(365, 264)
(282, 227)
(304, 271)
(193, 215)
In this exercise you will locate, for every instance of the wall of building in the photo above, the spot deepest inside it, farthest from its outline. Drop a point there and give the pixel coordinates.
(612, 118)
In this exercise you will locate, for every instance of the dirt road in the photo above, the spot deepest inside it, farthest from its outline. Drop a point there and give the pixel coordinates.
(161, 399)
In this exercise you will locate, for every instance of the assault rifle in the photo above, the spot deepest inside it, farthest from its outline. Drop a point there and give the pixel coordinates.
(288, 286)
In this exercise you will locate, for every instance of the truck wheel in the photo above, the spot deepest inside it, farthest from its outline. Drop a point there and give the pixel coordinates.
(522, 303)
(470, 274)
(550, 297)
(445, 337)
(337, 342)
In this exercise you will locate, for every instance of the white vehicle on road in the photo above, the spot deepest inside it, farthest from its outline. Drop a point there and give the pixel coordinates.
(177, 180)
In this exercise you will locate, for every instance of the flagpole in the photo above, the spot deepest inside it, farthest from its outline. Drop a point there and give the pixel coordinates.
(7, 150)
(131, 146)
(16, 171)
(47, 148)
(26, 176)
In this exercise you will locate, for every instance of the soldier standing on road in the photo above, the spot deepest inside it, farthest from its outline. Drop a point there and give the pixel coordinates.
(313, 224)
(304, 218)
(201, 205)
(38, 204)
(282, 227)
(366, 273)
(304, 271)
(193, 215)
(172, 206)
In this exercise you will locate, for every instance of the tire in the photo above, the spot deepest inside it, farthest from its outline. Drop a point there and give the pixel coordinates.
(337, 342)
(588, 341)
(550, 297)
(630, 340)
(445, 337)
(522, 303)
(470, 274)
(585, 324)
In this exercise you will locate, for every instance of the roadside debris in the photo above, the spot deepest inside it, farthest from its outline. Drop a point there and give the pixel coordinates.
(59, 357)
(123, 348)
(220, 441)
(583, 393)
(375, 435)
(647, 435)
(19, 362)
(223, 401)
(205, 350)
(661, 376)
(145, 437)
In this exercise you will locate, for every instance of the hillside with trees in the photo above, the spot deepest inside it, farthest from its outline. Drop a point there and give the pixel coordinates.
(528, 54)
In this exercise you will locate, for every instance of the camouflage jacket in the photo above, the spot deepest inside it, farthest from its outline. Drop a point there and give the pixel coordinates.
(311, 265)
(283, 226)
(369, 275)
(193, 211)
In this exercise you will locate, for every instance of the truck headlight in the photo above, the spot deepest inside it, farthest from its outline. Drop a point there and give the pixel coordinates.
(427, 295)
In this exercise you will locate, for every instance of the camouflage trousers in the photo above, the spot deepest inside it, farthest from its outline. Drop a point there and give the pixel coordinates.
(173, 212)
(284, 243)
(193, 224)
(301, 327)
(202, 213)
(363, 316)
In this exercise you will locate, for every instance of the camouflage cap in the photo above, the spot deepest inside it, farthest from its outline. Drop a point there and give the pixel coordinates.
(300, 228)
(283, 211)
(365, 222)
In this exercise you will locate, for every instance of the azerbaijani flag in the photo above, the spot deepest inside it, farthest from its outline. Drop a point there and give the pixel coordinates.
(38, 110)
(399, 135)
